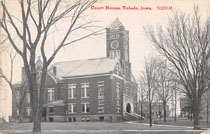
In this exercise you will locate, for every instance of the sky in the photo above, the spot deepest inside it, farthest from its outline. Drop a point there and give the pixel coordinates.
(133, 20)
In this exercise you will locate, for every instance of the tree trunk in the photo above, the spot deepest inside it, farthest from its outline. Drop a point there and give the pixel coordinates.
(196, 110)
(37, 123)
(164, 111)
(34, 95)
(207, 113)
(175, 107)
(20, 107)
(191, 115)
(141, 109)
(150, 114)
(20, 113)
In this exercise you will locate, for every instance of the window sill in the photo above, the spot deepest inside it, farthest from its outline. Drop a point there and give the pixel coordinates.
(85, 112)
(71, 98)
(85, 97)
(100, 97)
(72, 113)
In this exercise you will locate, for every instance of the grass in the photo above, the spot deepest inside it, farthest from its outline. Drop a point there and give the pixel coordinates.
(119, 132)
(87, 126)
(184, 122)
(94, 128)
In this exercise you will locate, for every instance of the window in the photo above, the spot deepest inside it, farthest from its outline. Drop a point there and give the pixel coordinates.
(101, 118)
(100, 89)
(114, 35)
(123, 69)
(51, 119)
(72, 119)
(118, 102)
(118, 90)
(114, 54)
(72, 108)
(126, 55)
(28, 97)
(101, 110)
(83, 119)
(51, 94)
(17, 112)
(117, 54)
(18, 96)
(51, 109)
(111, 54)
(85, 107)
(85, 90)
(28, 111)
(127, 71)
(101, 102)
(118, 93)
(118, 110)
(126, 90)
(117, 69)
(71, 91)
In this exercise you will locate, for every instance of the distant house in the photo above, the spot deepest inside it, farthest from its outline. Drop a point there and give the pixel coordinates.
(157, 110)
(92, 89)
(185, 107)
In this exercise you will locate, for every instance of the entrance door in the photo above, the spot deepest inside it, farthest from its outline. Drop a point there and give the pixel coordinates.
(128, 108)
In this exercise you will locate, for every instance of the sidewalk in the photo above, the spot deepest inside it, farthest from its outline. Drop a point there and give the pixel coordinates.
(146, 124)
(206, 132)
(100, 131)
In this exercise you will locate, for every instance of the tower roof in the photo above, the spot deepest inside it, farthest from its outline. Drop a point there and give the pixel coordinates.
(115, 24)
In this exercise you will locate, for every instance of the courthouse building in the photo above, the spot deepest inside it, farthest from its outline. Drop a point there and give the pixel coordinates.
(91, 89)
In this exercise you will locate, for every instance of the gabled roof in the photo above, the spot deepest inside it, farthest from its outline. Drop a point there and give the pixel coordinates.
(84, 67)
(115, 24)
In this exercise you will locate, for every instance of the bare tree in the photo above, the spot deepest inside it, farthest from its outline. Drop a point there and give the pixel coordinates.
(142, 96)
(9, 78)
(174, 98)
(9, 81)
(149, 78)
(44, 17)
(165, 82)
(185, 43)
(206, 103)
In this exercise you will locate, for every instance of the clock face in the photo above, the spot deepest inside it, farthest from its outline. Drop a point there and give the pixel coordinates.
(115, 44)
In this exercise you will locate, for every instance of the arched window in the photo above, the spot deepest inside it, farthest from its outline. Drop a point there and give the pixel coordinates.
(114, 54)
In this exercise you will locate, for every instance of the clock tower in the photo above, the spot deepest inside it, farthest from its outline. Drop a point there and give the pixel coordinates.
(117, 45)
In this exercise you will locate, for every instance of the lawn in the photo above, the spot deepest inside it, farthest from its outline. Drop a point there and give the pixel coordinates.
(108, 132)
(184, 122)
(95, 128)
(87, 126)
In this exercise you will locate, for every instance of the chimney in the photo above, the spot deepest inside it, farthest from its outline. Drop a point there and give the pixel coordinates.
(54, 71)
